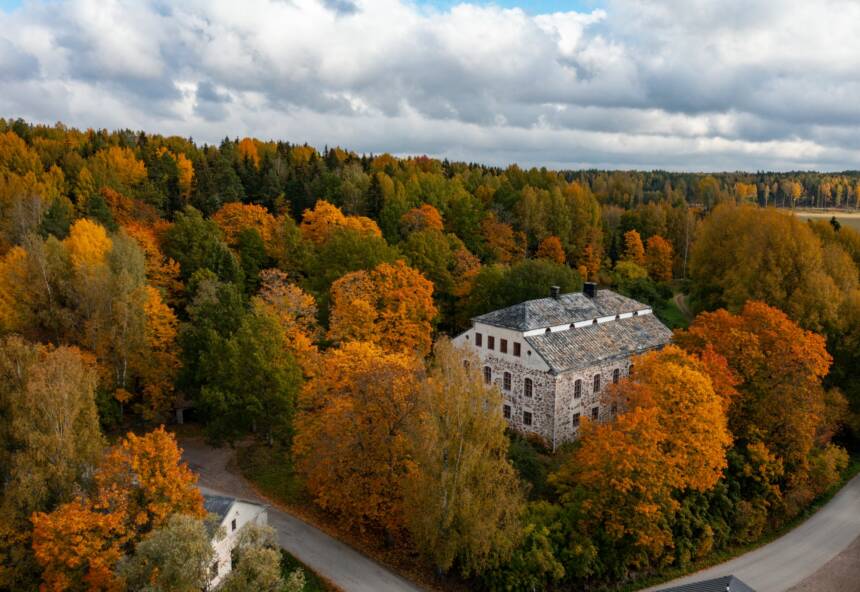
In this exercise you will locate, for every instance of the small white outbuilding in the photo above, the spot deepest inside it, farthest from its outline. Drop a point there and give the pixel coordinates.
(232, 514)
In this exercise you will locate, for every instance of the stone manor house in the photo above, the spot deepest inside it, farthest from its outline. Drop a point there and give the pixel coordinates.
(552, 357)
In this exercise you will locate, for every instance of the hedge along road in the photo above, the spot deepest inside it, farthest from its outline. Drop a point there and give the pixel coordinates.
(798, 554)
(342, 565)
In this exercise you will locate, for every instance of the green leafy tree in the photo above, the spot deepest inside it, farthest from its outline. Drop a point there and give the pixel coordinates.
(174, 558)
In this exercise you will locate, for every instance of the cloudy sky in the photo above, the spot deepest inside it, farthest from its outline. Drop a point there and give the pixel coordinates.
(675, 84)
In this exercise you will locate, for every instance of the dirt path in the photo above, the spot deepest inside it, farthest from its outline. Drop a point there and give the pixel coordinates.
(345, 567)
(681, 302)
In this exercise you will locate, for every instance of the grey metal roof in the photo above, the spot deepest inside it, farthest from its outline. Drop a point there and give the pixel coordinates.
(586, 346)
(567, 308)
(724, 584)
(217, 504)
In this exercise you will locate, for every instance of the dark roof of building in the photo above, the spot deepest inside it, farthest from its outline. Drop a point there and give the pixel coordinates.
(217, 504)
(595, 344)
(567, 308)
(724, 584)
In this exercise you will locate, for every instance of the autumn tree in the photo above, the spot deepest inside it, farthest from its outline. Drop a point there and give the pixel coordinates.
(351, 443)
(620, 495)
(296, 312)
(196, 243)
(503, 243)
(551, 248)
(658, 258)
(391, 306)
(145, 477)
(634, 251)
(78, 546)
(234, 217)
(51, 441)
(318, 223)
(424, 217)
(746, 253)
(462, 498)
(775, 360)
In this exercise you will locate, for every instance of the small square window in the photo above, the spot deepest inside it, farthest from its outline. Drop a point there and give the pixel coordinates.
(595, 413)
(506, 411)
(491, 342)
(577, 389)
(503, 346)
(233, 524)
(527, 418)
(517, 348)
(506, 381)
(575, 421)
(479, 339)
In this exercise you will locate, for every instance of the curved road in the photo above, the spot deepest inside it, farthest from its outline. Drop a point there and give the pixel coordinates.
(342, 565)
(790, 559)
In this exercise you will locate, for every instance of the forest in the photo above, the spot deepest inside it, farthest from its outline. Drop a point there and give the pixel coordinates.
(304, 299)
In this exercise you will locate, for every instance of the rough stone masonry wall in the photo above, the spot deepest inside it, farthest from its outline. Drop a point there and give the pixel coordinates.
(541, 404)
(567, 405)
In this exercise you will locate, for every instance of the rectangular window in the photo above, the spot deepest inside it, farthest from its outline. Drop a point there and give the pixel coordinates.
(488, 374)
(575, 420)
(517, 348)
(479, 340)
(233, 524)
(503, 346)
(527, 418)
(527, 387)
(506, 411)
(491, 342)
(506, 381)
(596, 382)
(614, 408)
(595, 413)
(577, 389)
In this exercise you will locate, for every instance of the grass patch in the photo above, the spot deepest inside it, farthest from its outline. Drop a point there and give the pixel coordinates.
(671, 315)
(313, 582)
(270, 469)
(731, 552)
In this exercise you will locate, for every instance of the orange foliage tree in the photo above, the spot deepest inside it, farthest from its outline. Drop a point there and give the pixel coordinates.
(296, 312)
(391, 306)
(350, 443)
(505, 244)
(634, 251)
(618, 476)
(425, 217)
(235, 217)
(779, 366)
(78, 547)
(658, 258)
(550, 248)
(161, 271)
(691, 412)
(139, 483)
(318, 223)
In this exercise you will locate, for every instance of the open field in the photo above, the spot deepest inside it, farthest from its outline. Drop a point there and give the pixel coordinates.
(850, 219)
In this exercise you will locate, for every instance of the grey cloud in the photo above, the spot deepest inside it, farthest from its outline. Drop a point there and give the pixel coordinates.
(652, 83)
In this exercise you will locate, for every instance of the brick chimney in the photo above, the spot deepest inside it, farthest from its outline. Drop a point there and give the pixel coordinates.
(589, 289)
(555, 292)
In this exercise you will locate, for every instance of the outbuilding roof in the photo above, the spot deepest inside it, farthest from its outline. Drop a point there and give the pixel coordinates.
(724, 584)
(567, 308)
(596, 344)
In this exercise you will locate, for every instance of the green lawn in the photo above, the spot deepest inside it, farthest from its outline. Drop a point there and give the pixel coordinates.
(271, 470)
(313, 583)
